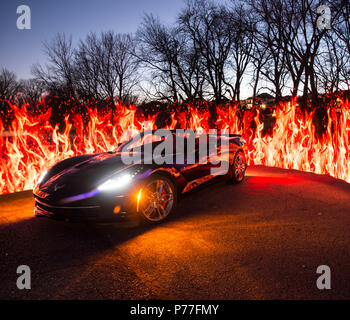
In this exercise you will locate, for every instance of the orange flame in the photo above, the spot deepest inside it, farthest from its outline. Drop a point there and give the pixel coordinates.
(31, 143)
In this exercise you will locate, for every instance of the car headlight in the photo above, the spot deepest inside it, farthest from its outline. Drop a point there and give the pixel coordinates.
(115, 183)
(42, 176)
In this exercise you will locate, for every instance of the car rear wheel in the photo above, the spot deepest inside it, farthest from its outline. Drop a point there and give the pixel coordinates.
(158, 199)
(238, 167)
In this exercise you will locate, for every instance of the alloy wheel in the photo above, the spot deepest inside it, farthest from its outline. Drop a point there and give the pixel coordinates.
(158, 200)
(239, 167)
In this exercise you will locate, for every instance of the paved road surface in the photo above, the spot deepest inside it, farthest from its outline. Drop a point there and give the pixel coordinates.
(262, 239)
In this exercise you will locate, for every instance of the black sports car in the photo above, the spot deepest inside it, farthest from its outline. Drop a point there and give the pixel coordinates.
(112, 185)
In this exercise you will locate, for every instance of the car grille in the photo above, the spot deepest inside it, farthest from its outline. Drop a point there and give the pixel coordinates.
(64, 212)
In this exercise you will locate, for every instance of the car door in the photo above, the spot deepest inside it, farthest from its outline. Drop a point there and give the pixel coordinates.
(196, 167)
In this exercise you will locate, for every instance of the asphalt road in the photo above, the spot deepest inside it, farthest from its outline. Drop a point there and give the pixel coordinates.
(263, 239)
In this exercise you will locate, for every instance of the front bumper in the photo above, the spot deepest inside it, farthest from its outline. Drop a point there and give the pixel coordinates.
(103, 210)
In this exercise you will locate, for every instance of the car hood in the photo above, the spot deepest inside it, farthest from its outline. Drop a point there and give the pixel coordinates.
(85, 175)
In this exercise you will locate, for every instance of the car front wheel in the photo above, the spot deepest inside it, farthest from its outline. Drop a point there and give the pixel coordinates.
(158, 199)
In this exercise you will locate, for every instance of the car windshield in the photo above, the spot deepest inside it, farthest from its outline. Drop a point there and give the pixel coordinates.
(140, 142)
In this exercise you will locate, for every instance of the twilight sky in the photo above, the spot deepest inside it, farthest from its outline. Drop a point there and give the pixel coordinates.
(20, 49)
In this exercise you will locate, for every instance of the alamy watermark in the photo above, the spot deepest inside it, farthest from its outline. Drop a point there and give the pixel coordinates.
(324, 280)
(324, 20)
(24, 20)
(182, 147)
(24, 280)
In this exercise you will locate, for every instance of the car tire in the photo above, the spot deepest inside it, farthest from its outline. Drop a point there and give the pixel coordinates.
(158, 199)
(238, 168)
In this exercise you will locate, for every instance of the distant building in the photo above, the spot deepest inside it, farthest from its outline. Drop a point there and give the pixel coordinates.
(263, 101)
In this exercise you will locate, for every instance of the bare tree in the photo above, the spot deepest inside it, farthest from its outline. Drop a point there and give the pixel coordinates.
(270, 56)
(290, 31)
(206, 54)
(259, 58)
(331, 64)
(126, 66)
(211, 30)
(242, 46)
(109, 66)
(87, 65)
(172, 60)
(31, 91)
(58, 75)
(9, 86)
(341, 27)
(342, 22)
(102, 66)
